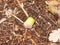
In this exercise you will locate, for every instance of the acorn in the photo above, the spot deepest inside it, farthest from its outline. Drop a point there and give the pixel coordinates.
(29, 22)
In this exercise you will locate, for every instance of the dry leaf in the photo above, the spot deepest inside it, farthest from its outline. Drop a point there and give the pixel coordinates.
(53, 2)
(53, 7)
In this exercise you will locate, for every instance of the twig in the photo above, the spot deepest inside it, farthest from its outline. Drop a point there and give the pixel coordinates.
(15, 34)
(37, 33)
(18, 18)
(51, 20)
(33, 41)
(37, 23)
(24, 35)
(2, 20)
(22, 8)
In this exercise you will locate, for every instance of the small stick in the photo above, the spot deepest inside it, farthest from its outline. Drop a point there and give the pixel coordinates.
(18, 18)
(25, 34)
(15, 34)
(37, 23)
(33, 41)
(2, 20)
(37, 33)
(22, 8)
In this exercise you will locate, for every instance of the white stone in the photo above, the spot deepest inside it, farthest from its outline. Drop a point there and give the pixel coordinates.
(54, 36)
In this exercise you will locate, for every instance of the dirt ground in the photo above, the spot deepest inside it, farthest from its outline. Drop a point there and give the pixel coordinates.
(12, 32)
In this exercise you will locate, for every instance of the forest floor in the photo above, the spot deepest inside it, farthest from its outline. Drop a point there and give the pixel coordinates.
(12, 32)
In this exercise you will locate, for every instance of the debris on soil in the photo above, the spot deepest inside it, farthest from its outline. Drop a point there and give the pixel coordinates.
(53, 6)
(15, 13)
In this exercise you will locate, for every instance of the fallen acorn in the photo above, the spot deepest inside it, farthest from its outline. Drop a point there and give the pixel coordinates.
(29, 22)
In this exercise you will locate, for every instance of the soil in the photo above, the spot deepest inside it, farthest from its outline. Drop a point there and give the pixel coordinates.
(12, 32)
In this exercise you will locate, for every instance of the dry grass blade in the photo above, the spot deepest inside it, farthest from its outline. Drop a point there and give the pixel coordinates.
(18, 18)
(22, 8)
